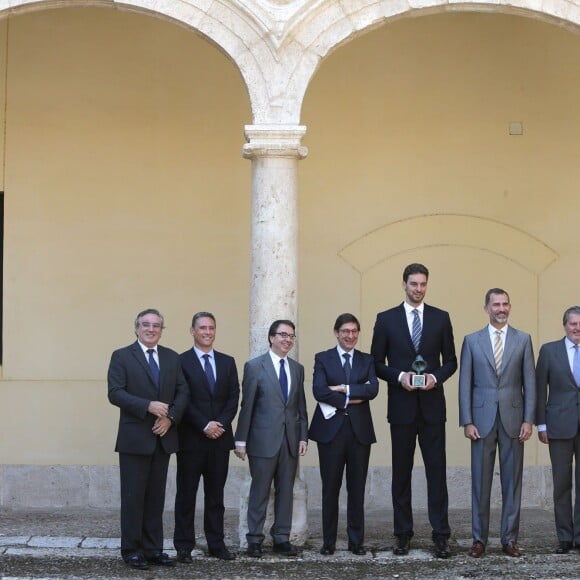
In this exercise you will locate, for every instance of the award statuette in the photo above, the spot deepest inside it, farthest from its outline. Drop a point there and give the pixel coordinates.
(419, 365)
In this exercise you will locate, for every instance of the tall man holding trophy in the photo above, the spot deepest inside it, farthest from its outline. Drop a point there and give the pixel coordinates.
(414, 352)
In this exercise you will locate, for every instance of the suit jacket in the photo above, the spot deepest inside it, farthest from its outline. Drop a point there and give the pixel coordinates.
(264, 418)
(561, 412)
(204, 406)
(482, 393)
(394, 353)
(328, 370)
(132, 387)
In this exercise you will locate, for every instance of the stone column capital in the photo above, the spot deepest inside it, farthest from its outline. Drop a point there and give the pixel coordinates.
(274, 141)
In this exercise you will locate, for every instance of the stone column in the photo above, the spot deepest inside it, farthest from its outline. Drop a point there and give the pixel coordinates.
(275, 151)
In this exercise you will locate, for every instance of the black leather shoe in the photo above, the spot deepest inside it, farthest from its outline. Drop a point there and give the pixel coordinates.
(402, 545)
(184, 557)
(441, 548)
(563, 548)
(254, 550)
(327, 550)
(160, 559)
(221, 553)
(357, 549)
(285, 549)
(136, 561)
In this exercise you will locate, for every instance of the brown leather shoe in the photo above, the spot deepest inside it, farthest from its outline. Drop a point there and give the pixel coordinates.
(511, 549)
(477, 550)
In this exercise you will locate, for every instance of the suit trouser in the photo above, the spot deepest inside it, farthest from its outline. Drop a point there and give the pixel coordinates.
(143, 479)
(281, 469)
(563, 452)
(432, 443)
(211, 463)
(343, 450)
(511, 461)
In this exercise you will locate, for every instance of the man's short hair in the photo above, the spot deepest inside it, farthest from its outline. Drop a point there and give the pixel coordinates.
(145, 313)
(274, 328)
(415, 269)
(495, 291)
(199, 315)
(344, 319)
(569, 311)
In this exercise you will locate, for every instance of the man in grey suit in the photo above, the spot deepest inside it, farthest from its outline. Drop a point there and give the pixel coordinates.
(497, 399)
(559, 424)
(272, 431)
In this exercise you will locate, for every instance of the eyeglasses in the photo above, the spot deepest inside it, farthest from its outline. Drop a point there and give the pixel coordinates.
(346, 331)
(285, 335)
(153, 325)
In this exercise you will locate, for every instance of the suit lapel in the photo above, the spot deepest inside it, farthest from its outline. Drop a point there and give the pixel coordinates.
(485, 345)
(142, 360)
(270, 371)
(563, 361)
(294, 378)
(405, 326)
(511, 340)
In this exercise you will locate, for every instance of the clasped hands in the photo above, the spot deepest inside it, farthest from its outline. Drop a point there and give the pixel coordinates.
(163, 422)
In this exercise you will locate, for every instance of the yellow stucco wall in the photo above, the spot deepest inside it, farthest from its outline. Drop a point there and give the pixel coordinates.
(125, 188)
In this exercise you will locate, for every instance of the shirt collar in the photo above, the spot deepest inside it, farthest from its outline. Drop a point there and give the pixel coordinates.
(341, 351)
(146, 348)
(492, 330)
(200, 353)
(409, 308)
(276, 359)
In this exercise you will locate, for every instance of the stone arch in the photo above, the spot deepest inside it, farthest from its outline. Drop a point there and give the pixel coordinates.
(278, 45)
(527, 251)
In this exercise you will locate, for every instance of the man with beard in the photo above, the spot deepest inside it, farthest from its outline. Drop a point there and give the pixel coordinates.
(497, 399)
(400, 335)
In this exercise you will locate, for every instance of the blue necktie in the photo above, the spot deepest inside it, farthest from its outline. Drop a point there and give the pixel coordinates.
(346, 367)
(153, 366)
(576, 365)
(209, 373)
(283, 381)
(416, 336)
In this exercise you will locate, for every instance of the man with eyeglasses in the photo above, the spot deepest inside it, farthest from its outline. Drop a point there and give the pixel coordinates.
(146, 382)
(272, 431)
(344, 382)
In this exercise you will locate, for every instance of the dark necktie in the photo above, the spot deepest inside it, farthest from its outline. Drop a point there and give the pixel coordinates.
(283, 381)
(346, 367)
(576, 365)
(416, 336)
(209, 372)
(153, 366)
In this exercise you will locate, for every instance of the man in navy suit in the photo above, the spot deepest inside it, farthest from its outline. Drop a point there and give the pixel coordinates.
(344, 382)
(558, 419)
(400, 334)
(146, 382)
(205, 440)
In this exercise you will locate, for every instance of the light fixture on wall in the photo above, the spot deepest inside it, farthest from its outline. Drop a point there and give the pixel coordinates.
(516, 128)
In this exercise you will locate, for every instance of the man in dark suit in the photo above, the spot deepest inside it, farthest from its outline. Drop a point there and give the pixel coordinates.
(272, 431)
(205, 440)
(146, 382)
(344, 382)
(497, 400)
(558, 419)
(401, 333)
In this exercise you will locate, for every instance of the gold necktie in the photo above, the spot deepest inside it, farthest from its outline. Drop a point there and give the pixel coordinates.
(498, 351)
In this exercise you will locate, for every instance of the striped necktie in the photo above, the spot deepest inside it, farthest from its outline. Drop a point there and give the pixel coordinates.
(416, 336)
(498, 352)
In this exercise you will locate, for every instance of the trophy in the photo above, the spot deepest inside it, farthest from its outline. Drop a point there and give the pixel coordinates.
(419, 365)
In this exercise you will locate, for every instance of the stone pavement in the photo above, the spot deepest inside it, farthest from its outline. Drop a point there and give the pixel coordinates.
(84, 544)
